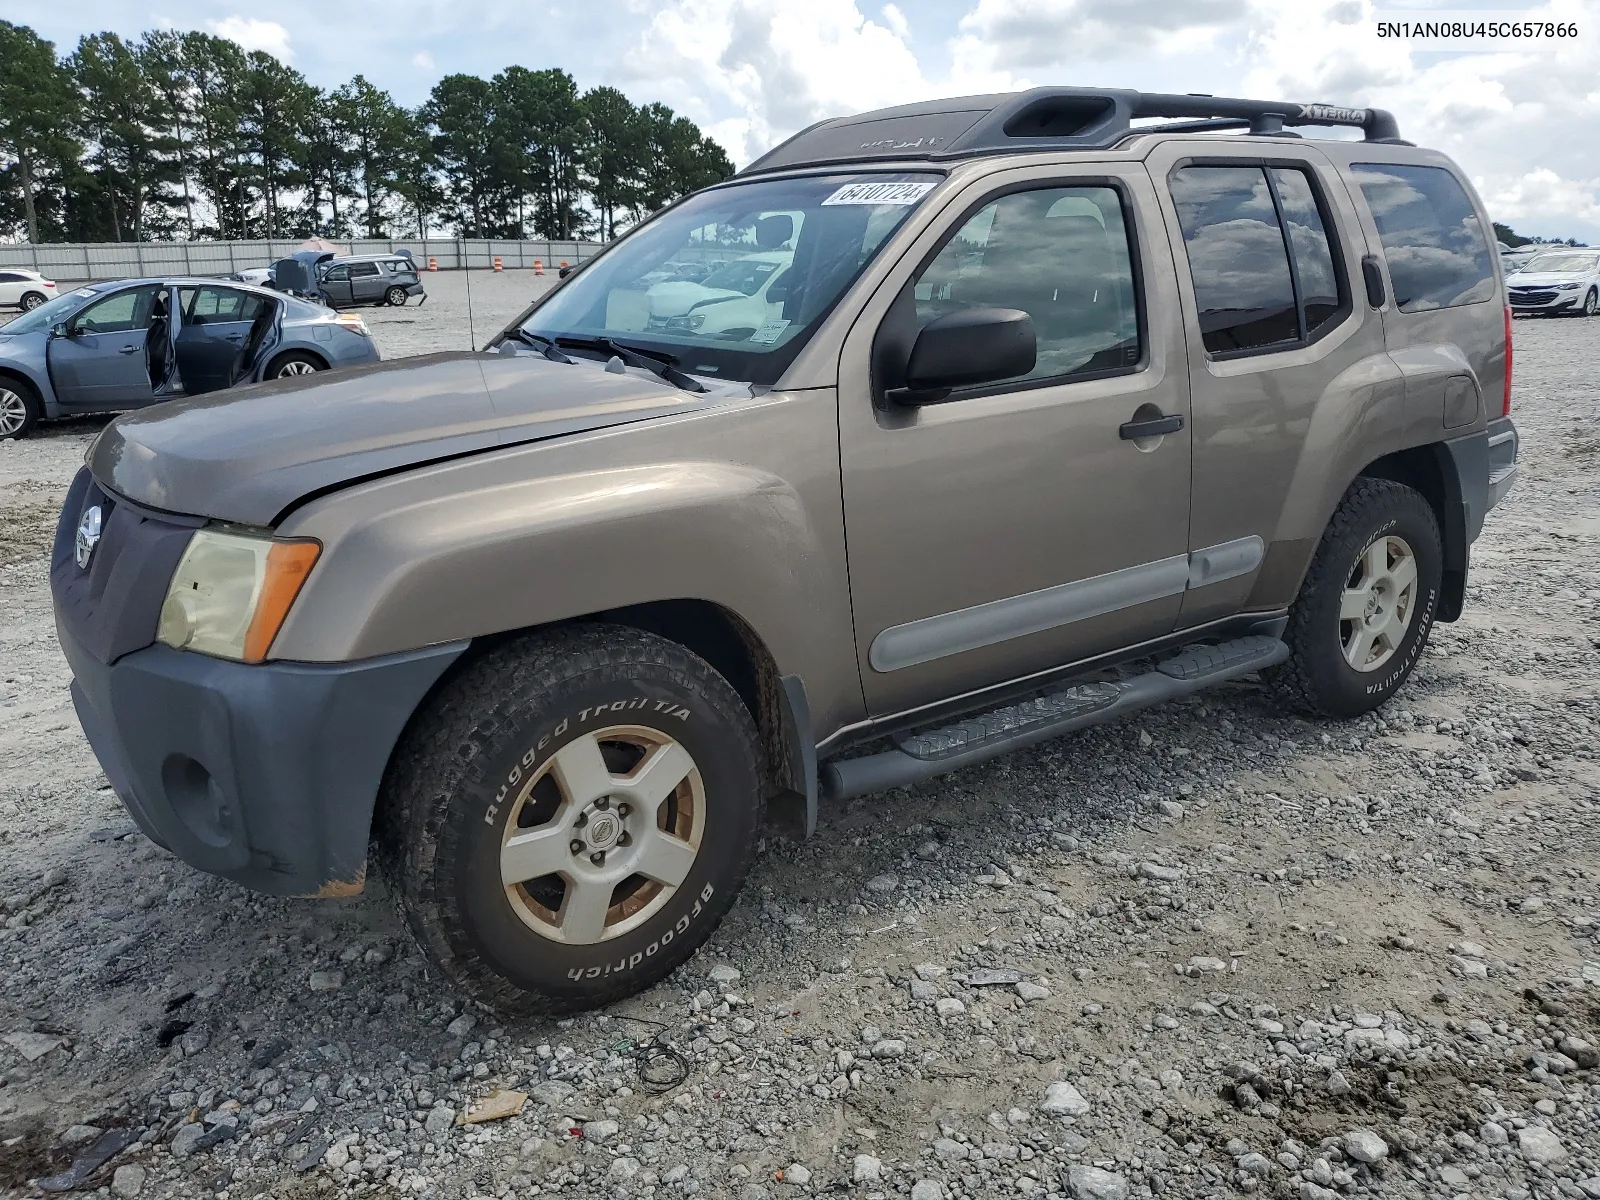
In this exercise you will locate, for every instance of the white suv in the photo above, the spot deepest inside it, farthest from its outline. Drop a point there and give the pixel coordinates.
(25, 289)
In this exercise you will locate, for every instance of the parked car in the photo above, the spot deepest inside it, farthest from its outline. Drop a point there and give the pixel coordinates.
(135, 342)
(1062, 417)
(1513, 257)
(734, 301)
(26, 290)
(349, 280)
(1557, 281)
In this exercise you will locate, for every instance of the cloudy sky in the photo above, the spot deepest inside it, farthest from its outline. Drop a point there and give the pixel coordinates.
(1524, 122)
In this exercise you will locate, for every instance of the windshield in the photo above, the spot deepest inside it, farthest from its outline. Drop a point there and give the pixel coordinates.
(1561, 264)
(733, 280)
(49, 313)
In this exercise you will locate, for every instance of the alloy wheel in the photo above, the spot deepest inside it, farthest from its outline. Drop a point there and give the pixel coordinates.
(1377, 603)
(31, 301)
(603, 835)
(1591, 303)
(296, 366)
(13, 412)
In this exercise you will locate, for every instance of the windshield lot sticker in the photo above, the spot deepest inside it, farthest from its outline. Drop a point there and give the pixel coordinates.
(880, 193)
(770, 331)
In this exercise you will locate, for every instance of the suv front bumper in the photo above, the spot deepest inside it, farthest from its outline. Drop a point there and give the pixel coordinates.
(264, 774)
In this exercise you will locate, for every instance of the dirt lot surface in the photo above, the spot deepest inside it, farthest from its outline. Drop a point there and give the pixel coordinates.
(1208, 951)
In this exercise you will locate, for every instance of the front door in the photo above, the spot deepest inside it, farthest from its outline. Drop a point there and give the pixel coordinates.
(100, 363)
(366, 283)
(1016, 527)
(336, 286)
(1287, 365)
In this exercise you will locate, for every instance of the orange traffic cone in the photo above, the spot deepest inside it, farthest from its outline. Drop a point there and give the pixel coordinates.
(433, 263)
(563, 264)
(538, 267)
(497, 264)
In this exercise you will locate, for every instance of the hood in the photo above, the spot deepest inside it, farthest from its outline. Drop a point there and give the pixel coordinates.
(1545, 278)
(679, 296)
(250, 454)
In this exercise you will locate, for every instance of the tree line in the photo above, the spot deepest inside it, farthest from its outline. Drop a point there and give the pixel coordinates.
(182, 135)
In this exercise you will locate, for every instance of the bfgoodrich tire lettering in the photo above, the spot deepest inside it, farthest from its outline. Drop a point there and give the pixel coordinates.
(1378, 520)
(463, 773)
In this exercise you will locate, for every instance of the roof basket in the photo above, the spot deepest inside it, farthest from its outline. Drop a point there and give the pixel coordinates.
(1048, 118)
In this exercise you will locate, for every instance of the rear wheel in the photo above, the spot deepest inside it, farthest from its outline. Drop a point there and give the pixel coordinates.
(32, 300)
(571, 817)
(295, 362)
(1367, 604)
(19, 409)
(395, 297)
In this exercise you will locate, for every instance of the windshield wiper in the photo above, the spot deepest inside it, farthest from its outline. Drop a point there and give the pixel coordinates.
(655, 361)
(543, 345)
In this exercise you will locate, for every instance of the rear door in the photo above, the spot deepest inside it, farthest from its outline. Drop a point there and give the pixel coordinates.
(216, 322)
(1287, 370)
(11, 288)
(367, 283)
(1014, 528)
(100, 364)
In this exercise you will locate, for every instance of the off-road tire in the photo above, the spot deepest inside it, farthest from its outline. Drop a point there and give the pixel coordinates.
(450, 793)
(1316, 678)
(395, 297)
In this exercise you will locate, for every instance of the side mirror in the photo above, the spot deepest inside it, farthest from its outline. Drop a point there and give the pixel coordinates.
(58, 330)
(778, 292)
(975, 345)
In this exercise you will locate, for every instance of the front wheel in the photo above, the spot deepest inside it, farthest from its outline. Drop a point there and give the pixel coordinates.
(19, 409)
(571, 817)
(1367, 604)
(1591, 303)
(395, 297)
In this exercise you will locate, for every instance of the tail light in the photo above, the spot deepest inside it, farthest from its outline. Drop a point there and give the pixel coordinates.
(1505, 407)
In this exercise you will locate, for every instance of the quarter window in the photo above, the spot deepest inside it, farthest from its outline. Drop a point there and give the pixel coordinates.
(1062, 256)
(1437, 250)
(1260, 256)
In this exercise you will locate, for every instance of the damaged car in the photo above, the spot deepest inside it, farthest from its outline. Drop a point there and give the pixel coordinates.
(110, 347)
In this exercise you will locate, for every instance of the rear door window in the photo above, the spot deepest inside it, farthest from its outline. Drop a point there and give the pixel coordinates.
(1436, 247)
(218, 305)
(1260, 254)
(362, 270)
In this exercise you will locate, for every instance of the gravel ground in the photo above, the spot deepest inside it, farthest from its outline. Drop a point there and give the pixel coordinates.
(1210, 950)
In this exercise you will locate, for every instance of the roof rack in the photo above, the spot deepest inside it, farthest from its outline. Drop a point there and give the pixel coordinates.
(1049, 118)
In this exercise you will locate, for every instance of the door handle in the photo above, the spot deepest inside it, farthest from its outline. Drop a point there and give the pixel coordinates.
(1154, 427)
(130, 350)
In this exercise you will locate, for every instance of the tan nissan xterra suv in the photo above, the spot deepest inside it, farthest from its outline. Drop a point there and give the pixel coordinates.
(865, 465)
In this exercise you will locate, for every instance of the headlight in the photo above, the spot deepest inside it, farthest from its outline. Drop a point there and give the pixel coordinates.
(1568, 287)
(231, 593)
(692, 321)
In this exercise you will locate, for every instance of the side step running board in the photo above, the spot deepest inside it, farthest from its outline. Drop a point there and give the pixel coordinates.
(933, 752)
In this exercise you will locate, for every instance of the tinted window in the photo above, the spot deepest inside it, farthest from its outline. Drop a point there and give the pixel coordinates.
(215, 305)
(1438, 254)
(361, 270)
(398, 266)
(1237, 257)
(1313, 253)
(119, 313)
(1059, 254)
(9, 277)
(338, 274)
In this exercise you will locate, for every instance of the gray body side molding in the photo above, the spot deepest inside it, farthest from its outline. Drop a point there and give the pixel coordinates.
(997, 621)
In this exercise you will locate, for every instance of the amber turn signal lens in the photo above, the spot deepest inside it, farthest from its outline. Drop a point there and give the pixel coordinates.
(288, 565)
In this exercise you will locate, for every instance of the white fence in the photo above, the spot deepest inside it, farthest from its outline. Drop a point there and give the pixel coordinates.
(76, 261)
